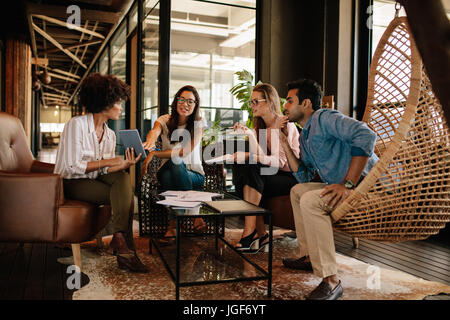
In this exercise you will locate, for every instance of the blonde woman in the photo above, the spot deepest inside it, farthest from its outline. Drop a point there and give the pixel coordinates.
(271, 175)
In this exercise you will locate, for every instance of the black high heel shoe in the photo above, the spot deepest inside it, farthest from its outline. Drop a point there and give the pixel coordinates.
(261, 245)
(249, 242)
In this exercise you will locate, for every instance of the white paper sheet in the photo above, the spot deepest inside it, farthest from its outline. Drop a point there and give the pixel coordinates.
(186, 199)
(228, 158)
(182, 204)
(190, 195)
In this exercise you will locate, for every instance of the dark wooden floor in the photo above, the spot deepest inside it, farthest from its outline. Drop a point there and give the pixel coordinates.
(31, 272)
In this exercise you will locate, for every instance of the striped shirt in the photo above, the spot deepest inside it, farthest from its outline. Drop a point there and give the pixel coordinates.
(79, 145)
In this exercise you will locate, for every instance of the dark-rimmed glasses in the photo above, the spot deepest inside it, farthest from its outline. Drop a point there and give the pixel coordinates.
(189, 102)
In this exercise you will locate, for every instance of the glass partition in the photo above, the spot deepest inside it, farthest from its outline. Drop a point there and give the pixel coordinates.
(104, 62)
(133, 19)
(210, 41)
(119, 68)
(383, 14)
(150, 56)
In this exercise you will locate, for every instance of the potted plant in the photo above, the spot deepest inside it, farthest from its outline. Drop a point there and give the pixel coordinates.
(243, 93)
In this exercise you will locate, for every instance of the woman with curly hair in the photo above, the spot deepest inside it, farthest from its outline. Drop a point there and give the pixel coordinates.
(91, 172)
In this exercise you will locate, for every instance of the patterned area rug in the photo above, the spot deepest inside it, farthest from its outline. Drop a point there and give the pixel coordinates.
(360, 280)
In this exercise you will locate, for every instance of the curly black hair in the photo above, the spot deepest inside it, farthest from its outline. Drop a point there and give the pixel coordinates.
(100, 92)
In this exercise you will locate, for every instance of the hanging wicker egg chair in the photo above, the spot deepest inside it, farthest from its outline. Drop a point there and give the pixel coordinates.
(406, 195)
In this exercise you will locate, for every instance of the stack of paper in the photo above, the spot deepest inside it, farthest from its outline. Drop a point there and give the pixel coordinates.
(227, 158)
(186, 199)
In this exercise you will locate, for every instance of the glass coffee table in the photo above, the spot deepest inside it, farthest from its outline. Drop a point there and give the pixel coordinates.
(208, 258)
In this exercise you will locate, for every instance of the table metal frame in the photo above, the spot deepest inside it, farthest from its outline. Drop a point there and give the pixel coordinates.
(175, 276)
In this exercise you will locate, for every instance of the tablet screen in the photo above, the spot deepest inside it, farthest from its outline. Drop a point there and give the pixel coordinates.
(131, 139)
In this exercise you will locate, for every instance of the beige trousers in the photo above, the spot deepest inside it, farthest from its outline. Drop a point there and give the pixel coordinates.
(314, 227)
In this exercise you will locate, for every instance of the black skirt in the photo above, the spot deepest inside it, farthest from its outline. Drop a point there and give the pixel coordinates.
(268, 186)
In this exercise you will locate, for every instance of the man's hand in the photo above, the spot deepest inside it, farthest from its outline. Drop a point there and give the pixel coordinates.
(337, 192)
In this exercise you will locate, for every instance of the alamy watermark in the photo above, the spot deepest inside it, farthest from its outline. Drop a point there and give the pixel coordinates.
(74, 280)
(374, 280)
(74, 20)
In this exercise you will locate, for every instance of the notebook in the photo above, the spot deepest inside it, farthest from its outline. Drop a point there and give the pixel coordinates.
(233, 206)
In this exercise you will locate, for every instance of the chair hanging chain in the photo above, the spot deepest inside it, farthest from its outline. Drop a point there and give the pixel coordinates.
(398, 7)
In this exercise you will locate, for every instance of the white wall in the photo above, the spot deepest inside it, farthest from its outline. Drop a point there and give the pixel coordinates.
(48, 115)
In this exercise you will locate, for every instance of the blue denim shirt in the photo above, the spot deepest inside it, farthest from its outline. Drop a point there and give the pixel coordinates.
(328, 142)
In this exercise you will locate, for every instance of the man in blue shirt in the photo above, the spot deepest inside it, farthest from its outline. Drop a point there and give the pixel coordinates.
(338, 149)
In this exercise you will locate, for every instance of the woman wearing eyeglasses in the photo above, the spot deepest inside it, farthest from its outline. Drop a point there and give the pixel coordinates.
(182, 166)
(267, 174)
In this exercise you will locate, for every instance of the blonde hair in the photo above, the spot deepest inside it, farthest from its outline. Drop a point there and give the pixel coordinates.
(273, 100)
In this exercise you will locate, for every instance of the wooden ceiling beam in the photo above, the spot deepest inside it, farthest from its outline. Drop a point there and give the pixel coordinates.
(64, 72)
(60, 12)
(51, 96)
(87, 43)
(71, 27)
(56, 44)
(62, 77)
(55, 89)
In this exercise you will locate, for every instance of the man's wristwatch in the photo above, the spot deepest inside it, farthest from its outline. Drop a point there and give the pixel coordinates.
(349, 184)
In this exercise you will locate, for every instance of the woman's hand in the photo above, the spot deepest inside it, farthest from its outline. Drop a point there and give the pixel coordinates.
(281, 123)
(114, 162)
(283, 138)
(146, 163)
(130, 159)
(240, 156)
(148, 145)
(240, 127)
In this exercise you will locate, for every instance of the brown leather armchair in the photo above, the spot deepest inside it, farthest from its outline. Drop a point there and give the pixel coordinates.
(32, 203)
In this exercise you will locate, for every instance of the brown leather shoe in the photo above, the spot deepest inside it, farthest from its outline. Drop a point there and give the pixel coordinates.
(324, 292)
(132, 264)
(118, 245)
(298, 264)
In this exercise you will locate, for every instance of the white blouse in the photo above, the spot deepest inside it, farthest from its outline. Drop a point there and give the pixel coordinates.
(79, 145)
(193, 160)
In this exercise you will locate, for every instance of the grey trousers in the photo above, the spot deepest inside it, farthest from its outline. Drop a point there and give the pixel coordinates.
(112, 189)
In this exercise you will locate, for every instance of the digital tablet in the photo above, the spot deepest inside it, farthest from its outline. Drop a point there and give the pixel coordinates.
(131, 139)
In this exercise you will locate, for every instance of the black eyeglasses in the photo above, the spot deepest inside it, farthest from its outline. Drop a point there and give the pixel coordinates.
(189, 102)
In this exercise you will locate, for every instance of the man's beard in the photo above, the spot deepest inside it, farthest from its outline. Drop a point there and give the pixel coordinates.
(296, 117)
